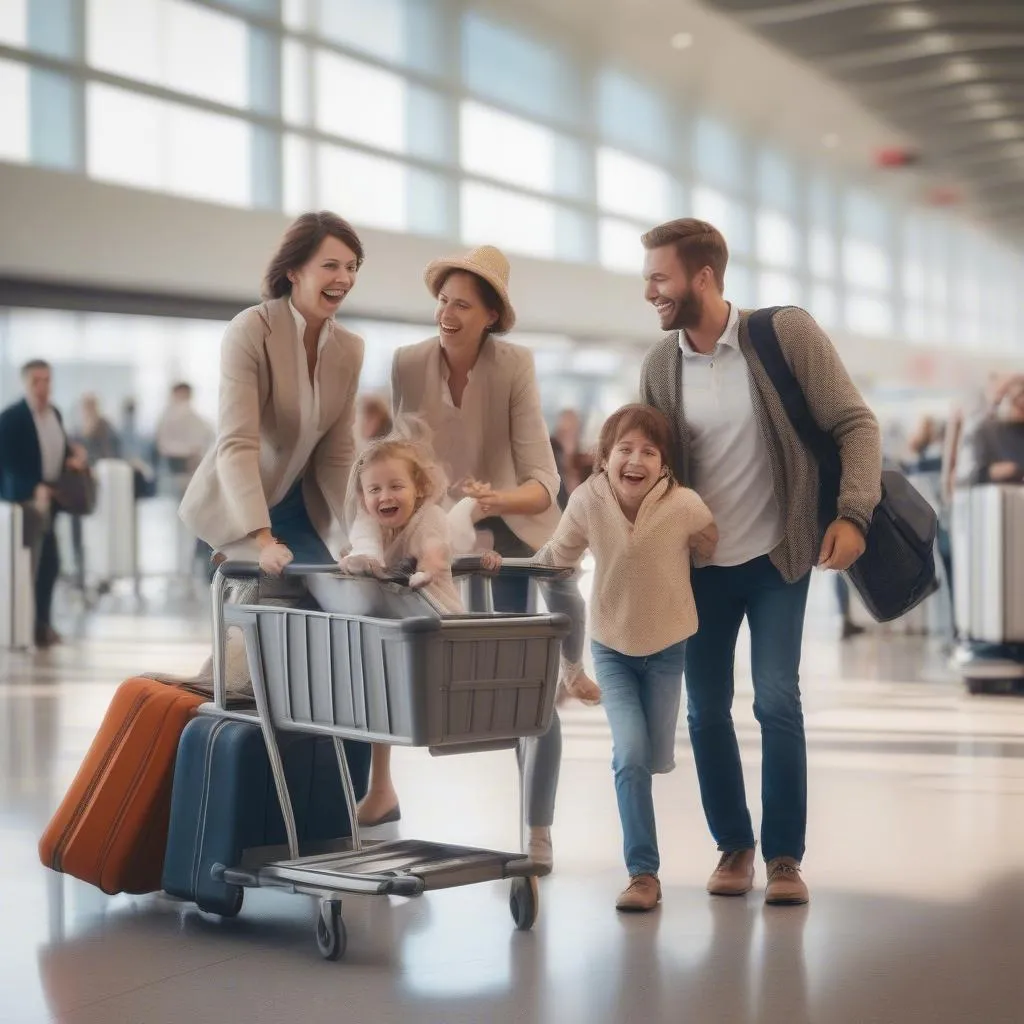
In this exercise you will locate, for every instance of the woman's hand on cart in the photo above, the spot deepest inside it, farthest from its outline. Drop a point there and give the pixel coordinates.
(274, 557)
(360, 565)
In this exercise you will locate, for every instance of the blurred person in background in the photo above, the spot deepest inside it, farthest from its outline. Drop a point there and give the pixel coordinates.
(182, 435)
(96, 434)
(34, 451)
(574, 464)
(992, 445)
(275, 481)
(374, 417)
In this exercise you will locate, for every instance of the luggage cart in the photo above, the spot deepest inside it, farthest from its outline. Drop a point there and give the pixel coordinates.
(379, 662)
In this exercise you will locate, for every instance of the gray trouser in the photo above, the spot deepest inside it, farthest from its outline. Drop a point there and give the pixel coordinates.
(539, 757)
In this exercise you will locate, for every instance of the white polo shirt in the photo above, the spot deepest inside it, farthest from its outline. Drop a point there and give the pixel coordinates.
(729, 463)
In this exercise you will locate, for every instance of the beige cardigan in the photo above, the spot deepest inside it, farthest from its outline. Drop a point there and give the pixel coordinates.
(641, 601)
(259, 402)
(834, 402)
(498, 436)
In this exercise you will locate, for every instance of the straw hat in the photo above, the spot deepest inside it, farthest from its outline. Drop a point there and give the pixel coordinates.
(485, 261)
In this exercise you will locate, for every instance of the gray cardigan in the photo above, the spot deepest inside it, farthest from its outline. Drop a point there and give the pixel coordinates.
(834, 402)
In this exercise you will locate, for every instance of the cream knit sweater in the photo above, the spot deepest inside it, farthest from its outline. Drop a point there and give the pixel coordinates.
(641, 600)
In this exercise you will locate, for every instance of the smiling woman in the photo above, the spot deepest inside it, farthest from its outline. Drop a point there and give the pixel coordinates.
(277, 476)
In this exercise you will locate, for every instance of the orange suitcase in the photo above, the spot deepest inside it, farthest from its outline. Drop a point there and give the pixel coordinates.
(111, 827)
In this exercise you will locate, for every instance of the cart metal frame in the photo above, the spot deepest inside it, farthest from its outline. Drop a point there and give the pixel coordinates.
(400, 867)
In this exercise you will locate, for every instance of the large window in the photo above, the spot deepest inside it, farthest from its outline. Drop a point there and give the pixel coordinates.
(403, 32)
(632, 188)
(515, 222)
(719, 155)
(620, 246)
(173, 43)
(14, 119)
(729, 216)
(777, 239)
(134, 140)
(14, 23)
(508, 148)
(369, 189)
(515, 70)
(634, 116)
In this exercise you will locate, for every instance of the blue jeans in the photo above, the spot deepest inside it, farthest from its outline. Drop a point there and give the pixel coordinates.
(640, 696)
(775, 612)
(291, 525)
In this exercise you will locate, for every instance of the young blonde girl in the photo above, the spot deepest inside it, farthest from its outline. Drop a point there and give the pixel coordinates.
(394, 515)
(640, 527)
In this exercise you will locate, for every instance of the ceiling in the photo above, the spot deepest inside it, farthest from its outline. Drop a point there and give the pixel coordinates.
(947, 74)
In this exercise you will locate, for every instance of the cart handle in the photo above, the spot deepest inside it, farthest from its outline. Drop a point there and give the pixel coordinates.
(468, 565)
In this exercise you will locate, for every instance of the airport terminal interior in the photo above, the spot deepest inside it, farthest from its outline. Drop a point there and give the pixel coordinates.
(864, 161)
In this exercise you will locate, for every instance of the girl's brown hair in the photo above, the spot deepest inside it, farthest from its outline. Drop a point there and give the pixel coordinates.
(300, 244)
(649, 421)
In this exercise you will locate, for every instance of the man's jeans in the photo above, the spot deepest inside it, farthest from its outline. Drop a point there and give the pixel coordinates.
(775, 613)
(640, 696)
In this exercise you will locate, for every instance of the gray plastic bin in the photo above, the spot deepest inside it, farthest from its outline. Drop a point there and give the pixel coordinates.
(423, 680)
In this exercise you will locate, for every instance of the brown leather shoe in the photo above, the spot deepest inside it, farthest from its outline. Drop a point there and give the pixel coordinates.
(734, 875)
(785, 886)
(642, 893)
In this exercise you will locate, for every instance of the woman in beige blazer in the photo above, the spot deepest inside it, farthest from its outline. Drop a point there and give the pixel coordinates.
(479, 397)
(275, 480)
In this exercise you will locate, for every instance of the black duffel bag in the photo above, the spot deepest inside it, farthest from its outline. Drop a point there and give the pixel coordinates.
(897, 570)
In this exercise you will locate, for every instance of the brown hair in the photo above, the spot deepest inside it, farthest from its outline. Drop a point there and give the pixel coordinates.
(484, 289)
(300, 243)
(698, 245)
(35, 364)
(652, 423)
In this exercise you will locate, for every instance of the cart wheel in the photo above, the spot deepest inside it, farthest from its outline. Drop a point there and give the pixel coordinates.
(331, 937)
(236, 903)
(524, 902)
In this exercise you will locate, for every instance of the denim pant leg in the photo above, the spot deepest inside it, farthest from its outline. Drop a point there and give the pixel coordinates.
(621, 680)
(291, 525)
(660, 694)
(775, 611)
(710, 664)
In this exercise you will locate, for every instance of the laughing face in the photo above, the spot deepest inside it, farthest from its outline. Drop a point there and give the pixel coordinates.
(634, 467)
(320, 285)
(676, 296)
(389, 492)
(461, 316)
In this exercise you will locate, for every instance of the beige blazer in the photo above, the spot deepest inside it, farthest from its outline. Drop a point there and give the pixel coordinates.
(259, 401)
(499, 435)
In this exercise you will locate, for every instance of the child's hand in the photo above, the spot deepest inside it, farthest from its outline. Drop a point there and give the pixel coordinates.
(360, 565)
(418, 580)
(490, 561)
(705, 542)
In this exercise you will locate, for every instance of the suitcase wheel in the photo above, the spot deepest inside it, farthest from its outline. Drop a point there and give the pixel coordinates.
(524, 902)
(331, 937)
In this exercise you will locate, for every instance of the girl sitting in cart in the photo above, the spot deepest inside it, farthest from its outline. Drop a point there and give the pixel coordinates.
(394, 515)
(641, 527)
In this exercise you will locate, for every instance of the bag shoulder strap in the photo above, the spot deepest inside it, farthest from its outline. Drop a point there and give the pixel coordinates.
(765, 342)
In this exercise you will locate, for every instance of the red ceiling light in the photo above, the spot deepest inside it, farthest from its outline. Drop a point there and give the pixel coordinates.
(896, 156)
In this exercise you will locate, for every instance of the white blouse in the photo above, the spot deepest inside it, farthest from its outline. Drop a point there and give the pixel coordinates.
(309, 413)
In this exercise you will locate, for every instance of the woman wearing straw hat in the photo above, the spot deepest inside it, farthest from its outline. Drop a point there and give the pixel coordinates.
(480, 399)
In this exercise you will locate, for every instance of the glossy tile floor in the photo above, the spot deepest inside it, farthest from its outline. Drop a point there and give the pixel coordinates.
(915, 859)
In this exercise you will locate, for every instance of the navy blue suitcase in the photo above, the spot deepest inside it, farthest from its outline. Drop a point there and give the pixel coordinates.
(224, 802)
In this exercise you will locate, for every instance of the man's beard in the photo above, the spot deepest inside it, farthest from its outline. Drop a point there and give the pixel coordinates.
(688, 312)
